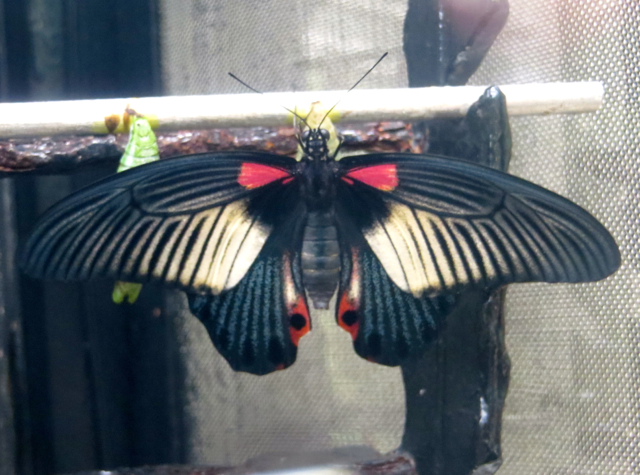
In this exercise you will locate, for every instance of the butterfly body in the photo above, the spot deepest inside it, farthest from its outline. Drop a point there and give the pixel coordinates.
(320, 258)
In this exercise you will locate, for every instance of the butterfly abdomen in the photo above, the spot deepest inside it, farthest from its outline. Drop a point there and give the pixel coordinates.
(320, 258)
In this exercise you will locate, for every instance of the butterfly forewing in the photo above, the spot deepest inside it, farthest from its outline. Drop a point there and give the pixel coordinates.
(439, 224)
(197, 223)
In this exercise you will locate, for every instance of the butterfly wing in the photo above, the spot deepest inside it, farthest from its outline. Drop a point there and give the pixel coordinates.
(257, 324)
(439, 224)
(416, 229)
(195, 222)
(386, 323)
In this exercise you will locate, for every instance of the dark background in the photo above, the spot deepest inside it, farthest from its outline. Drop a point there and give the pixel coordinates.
(89, 387)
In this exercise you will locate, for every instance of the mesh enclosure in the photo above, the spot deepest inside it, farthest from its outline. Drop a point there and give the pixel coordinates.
(573, 400)
(573, 403)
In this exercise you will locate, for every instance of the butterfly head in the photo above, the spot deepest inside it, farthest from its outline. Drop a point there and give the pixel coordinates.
(314, 143)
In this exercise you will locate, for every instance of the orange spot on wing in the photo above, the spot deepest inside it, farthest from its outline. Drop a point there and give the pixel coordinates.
(300, 308)
(255, 175)
(383, 177)
(297, 310)
(347, 306)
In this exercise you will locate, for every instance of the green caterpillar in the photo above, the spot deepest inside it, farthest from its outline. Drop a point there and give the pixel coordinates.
(142, 147)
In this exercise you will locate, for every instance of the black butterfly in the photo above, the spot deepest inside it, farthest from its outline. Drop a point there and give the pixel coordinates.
(250, 235)
(247, 233)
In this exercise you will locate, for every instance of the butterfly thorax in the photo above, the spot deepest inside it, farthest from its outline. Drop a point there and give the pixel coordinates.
(318, 184)
(318, 170)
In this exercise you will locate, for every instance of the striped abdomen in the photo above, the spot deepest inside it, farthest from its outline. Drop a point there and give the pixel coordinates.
(320, 258)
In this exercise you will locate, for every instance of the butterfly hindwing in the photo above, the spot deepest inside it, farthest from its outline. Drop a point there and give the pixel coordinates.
(196, 222)
(439, 224)
(257, 324)
(387, 324)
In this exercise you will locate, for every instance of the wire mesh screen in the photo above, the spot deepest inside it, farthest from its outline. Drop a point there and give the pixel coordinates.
(573, 400)
(573, 403)
(281, 45)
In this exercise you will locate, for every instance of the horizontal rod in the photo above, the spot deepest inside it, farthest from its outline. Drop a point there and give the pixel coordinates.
(101, 116)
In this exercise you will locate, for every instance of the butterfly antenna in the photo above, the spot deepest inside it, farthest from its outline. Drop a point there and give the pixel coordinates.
(353, 87)
(296, 125)
(260, 92)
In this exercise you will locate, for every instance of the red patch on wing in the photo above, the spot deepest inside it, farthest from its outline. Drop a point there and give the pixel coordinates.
(255, 175)
(383, 177)
(349, 305)
(298, 320)
(348, 316)
(297, 310)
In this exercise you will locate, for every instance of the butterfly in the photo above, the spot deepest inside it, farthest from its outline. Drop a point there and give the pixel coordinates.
(254, 237)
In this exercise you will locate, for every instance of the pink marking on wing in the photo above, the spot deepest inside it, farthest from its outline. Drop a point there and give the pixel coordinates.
(297, 310)
(349, 305)
(255, 175)
(383, 177)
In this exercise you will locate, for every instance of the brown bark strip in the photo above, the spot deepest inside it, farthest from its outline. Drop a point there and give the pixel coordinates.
(51, 155)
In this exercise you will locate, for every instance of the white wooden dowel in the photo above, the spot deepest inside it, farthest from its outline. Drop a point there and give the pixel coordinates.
(252, 110)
